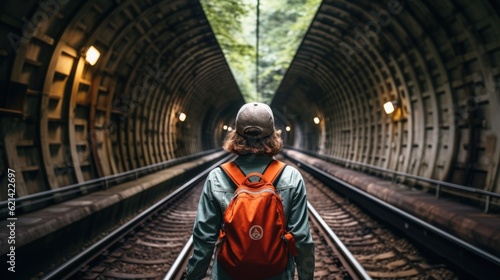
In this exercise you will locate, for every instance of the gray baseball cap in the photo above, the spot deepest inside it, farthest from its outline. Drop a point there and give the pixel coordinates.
(255, 120)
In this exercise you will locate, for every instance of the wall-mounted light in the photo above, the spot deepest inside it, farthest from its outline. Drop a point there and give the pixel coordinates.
(182, 117)
(288, 128)
(390, 106)
(92, 55)
(316, 120)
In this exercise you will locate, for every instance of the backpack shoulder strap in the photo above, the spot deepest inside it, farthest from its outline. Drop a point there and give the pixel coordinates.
(234, 172)
(273, 171)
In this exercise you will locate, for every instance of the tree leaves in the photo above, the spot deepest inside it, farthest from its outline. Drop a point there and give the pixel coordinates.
(282, 24)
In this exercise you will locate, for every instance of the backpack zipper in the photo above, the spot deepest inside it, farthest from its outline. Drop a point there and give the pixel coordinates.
(253, 192)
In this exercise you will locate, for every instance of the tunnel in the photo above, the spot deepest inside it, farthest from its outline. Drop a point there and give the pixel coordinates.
(66, 121)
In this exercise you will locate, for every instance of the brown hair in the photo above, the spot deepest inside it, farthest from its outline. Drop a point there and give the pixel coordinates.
(270, 145)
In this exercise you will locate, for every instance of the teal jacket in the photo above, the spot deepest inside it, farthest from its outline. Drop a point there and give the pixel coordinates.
(216, 195)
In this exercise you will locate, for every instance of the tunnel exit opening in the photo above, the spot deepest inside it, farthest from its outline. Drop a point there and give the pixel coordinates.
(259, 40)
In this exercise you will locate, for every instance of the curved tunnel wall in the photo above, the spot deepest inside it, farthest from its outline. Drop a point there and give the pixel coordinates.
(438, 59)
(64, 121)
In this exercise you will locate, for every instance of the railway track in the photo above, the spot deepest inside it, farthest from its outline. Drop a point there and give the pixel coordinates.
(349, 243)
(150, 251)
(333, 259)
(382, 253)
(143, 247)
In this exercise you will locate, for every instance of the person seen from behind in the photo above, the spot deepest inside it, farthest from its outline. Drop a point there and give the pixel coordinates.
(255, 141)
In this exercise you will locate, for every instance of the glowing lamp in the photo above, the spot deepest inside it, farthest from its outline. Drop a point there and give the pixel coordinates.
(390, 107)
(182, 117)
(92, 55)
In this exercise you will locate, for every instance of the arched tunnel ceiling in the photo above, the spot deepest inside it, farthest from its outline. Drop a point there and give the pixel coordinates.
(438, 59)
(64, 121)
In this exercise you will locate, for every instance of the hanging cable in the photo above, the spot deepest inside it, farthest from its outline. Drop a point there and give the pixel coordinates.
(257, 53)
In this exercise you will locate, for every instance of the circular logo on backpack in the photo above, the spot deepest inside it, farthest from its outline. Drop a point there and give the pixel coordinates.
(256, 232)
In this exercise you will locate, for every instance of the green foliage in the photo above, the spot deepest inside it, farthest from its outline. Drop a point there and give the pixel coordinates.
(282, 25)
(226, 19)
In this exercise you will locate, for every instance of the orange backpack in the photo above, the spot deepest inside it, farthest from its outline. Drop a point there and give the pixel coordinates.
(253, 242)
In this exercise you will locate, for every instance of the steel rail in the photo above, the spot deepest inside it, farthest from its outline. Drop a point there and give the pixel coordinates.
(72, 266)
(177, 269)
(351, 265)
